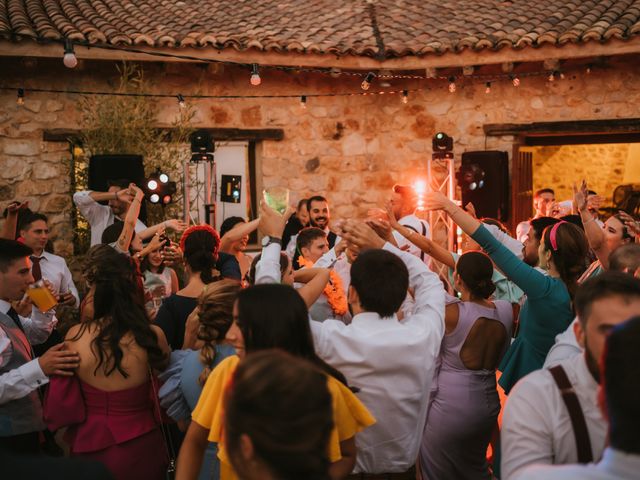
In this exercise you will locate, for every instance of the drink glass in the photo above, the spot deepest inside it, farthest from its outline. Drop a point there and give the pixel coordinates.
(277, 198)
(41, 296)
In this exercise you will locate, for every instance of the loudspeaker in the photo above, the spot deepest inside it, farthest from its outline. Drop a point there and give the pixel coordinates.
(492, 199)
(103, 168)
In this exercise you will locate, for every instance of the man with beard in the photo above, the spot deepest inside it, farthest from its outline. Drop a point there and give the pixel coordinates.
(531, 240)
(319, 217)
(552, 415)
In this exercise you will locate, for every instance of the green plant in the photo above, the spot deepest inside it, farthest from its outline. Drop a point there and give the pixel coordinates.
(128, 124)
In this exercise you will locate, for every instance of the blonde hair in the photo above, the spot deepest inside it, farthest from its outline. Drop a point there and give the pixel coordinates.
(215, 306)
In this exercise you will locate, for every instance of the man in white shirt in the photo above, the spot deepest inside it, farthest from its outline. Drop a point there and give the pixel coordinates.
(537, 426)
(620, 402)
(391, 362)
(20, 373)
(542, 200)
(404, 201)
(35, 234)
(101, 216)
(319, 217)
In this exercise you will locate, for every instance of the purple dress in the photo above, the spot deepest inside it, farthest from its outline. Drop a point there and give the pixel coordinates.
(464, 404)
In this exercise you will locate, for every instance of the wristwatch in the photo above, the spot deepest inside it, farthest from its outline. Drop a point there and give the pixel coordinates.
(268, 240)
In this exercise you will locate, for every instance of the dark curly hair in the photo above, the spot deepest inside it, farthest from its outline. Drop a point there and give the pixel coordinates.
(200, 246)
(119, 311)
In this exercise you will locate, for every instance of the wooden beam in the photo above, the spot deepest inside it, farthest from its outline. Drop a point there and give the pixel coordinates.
(543, 141)
(27, 48)
(218, 134)
(578, 127)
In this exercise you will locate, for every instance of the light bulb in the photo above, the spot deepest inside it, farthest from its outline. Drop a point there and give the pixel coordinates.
(154, 198)
(405, 96)
(303, 101)
(561, 76)
(20, 100)
(255, 75)
(452, 84)
(181, 101)
(488, 88)
(163, 177)
(588, 69)
(552, 76)
(69, 59)
(515, 80)
(366, 83)
(152, 184)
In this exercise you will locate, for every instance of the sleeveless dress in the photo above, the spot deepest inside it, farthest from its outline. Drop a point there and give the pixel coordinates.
(117, 428)
(464, 405)
(181, 390)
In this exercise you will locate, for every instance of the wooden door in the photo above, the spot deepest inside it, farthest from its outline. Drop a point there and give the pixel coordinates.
(521, 186)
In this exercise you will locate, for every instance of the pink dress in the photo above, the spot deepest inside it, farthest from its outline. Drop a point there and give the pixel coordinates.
(119, 428)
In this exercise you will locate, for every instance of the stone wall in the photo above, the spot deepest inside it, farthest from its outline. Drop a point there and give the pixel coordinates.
(558, 167)
(351, 148)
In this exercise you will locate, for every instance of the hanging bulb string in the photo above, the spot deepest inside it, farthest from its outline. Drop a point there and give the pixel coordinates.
(325, 71)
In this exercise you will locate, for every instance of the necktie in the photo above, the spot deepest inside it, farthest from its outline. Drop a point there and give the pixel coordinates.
(16, 319)
(35, 269)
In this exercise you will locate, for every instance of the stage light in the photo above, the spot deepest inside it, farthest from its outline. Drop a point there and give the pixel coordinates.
(470, 177)
(154, 198)
(152, 184)
(166, 199)
(163, 177)
(420, 186)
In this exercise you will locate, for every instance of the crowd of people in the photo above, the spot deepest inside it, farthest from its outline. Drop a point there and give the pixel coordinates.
(335, 352)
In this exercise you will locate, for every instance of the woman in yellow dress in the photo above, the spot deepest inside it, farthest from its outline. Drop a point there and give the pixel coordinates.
(267, 317)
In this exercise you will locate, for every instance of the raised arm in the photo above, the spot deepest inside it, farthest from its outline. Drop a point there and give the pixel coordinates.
(425, 244)
(531, 281)
(130, 220)
(173, 224)
(237, 232)
(87, 202)
(315, 280)
(10, 226)
(271, 224)
(592, 230)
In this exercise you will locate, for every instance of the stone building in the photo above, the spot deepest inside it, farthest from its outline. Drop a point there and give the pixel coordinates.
(555, 84)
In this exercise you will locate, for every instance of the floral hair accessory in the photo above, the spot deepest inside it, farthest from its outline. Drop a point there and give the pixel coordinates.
(196, 228)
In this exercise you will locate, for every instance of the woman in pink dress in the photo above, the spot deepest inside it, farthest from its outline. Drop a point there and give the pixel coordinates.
(110, 406)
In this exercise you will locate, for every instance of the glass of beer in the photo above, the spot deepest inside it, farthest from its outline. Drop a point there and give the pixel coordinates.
(41, 296)
(277, 198)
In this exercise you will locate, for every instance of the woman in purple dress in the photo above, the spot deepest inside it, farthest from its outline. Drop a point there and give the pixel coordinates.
(109, 405)
(464, 404)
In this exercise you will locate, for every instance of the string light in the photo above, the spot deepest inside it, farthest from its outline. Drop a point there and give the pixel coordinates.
(561, 76)
(69, 59)
(366, 83)
(589, 69)
(405, 96)
(488, 88)
(181, 101)
(552, 76)
(515, 80)
(452, 84)
(255, 75)
(20, 100)
(303, 101)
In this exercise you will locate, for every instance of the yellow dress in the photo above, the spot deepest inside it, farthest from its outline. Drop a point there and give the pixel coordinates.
(349, 414)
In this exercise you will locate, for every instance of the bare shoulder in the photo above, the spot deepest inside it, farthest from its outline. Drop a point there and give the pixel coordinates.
(76, 332)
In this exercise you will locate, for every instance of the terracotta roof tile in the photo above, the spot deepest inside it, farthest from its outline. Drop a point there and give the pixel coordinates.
(379, 28)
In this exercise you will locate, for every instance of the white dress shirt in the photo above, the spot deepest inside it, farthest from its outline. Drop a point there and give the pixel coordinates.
(21, 381)
(54, 269)
(536, 427)
(99, 216)
(413, 222)
(615, 465)
(565, 346)
(392, 363)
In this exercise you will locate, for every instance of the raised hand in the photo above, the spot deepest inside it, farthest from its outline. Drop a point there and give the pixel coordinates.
(381, 227)
(360, 234)
(171, 254)
(14, 207)
(58, 361)
(633, 226)
(580, 196)
(271, 222)
(436, 201)
(175, 225)
(471, 209)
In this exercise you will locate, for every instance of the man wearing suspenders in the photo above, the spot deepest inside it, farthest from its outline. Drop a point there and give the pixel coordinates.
(552, 415)
(404, 201)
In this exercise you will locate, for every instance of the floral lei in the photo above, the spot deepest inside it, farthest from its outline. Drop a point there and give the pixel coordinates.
(334, 291)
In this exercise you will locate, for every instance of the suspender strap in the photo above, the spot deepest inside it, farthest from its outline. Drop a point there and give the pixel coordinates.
(583, 443)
